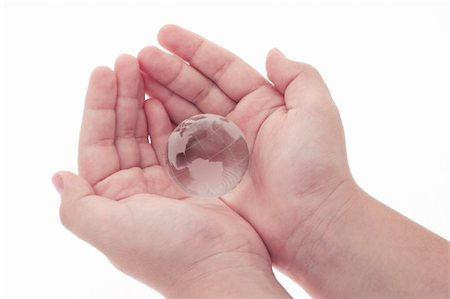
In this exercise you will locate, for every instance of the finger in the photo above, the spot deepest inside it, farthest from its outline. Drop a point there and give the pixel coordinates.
(71, 187)
(185, 81)
(235, 77)
(90, 217)
(97, 156)
(177, 108)
(127, 107)
(299, 82)
(147, 153)
(159, 127)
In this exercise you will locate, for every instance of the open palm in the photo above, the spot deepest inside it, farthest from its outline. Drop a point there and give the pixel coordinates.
(130, 208)
(126, 205)
(291, 124)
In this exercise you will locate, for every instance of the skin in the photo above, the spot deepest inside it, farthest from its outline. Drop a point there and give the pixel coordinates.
(125, 204)
(297, 207)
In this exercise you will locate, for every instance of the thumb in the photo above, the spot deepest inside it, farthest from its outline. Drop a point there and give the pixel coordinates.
(299, 82)
(85, 214)
(70, 186)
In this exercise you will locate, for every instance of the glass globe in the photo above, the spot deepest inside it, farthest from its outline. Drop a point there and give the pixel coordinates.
(207, 155)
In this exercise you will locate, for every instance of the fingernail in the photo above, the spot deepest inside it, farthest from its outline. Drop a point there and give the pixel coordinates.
(58, 183)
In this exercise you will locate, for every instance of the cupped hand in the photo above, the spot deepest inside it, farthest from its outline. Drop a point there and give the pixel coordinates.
(124, 203)
(293, 129)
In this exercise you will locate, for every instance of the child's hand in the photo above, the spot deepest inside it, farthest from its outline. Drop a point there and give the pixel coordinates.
(295, 136)
(178, 245)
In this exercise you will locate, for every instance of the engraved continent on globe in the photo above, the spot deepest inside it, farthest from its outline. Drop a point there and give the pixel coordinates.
(207, 155)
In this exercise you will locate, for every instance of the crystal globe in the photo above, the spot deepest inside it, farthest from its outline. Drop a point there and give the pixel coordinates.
(207, 155)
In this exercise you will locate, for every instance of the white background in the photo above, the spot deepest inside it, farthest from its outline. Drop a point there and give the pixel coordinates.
(386, 65)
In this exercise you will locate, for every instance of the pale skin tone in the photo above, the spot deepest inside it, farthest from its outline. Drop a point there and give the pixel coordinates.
(297, 208)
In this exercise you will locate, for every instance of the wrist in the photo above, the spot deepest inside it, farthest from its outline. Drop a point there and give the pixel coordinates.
(354, 246)
(305, 243)
(227, 276)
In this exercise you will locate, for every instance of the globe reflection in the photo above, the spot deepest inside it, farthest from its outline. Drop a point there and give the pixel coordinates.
(207, 155)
